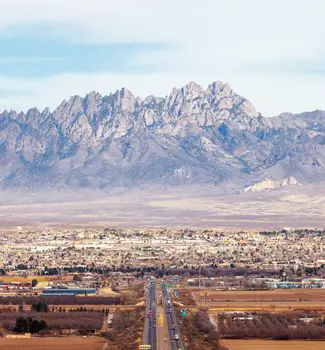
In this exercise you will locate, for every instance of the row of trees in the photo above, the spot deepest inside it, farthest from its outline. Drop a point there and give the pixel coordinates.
(300, 232)
(126, 330)
(40, 307)
(211, 270)
(271, 326)
(60, 300)
(29, 325)
(199, 332)
(80, 309)
(43, 307)
(88, 321)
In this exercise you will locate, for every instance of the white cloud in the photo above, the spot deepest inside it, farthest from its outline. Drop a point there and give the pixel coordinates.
(209, 40)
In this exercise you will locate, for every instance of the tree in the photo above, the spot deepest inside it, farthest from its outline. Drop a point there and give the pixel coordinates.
(29, 324)
(34, 282)
(21, 325)
(43, 324)
(37, 326)
(77, 278)
(40, 307)
(202, 321)
(34, 326)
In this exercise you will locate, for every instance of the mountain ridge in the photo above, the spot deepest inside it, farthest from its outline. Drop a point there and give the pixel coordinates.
(191, 136)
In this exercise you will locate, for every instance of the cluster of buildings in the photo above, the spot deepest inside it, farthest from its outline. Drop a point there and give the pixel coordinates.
(295, 253)
(273, 283)
(67, 284)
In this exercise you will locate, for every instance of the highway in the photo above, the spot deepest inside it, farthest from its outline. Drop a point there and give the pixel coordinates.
(149, 331)
(172, 322)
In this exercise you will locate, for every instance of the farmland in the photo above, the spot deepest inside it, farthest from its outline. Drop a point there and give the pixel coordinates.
(22, 279)
(295, 314)
(238, 344)
(281, 306)
(51, 343)
(276, 326)
(56, 320)
(265, 300)
(262, 295)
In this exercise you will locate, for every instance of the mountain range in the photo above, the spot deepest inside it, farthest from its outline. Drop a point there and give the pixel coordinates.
(192, 136)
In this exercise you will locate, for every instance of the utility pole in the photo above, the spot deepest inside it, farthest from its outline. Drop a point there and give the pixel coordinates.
(200, 277)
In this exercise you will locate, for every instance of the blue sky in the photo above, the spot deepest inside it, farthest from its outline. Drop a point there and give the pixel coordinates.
(39, 55)
(271, 52)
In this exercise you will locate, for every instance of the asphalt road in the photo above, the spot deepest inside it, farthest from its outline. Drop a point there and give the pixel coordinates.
(172, 322)
(149, 331)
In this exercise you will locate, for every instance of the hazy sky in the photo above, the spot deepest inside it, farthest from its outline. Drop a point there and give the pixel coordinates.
(270, 51)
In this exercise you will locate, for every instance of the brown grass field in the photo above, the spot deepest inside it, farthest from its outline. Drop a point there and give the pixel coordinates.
(52, 343)
(283, 306)
(22, 279)
(260, 344)
(264, 295)
(269, 300)
(266, 307)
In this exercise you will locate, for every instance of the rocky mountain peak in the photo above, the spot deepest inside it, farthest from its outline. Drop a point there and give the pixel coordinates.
(124, 100)
(193, 135)
(219, 89)
(192, 90)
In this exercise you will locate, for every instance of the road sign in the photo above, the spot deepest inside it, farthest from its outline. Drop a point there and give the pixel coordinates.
(144, 347)
(182, 310)
(176, 294)
(184, 314)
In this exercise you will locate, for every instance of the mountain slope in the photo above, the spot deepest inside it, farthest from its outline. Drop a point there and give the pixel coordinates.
(193, 135)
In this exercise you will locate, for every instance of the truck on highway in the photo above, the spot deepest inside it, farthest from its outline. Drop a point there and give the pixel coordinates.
(176, 336)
